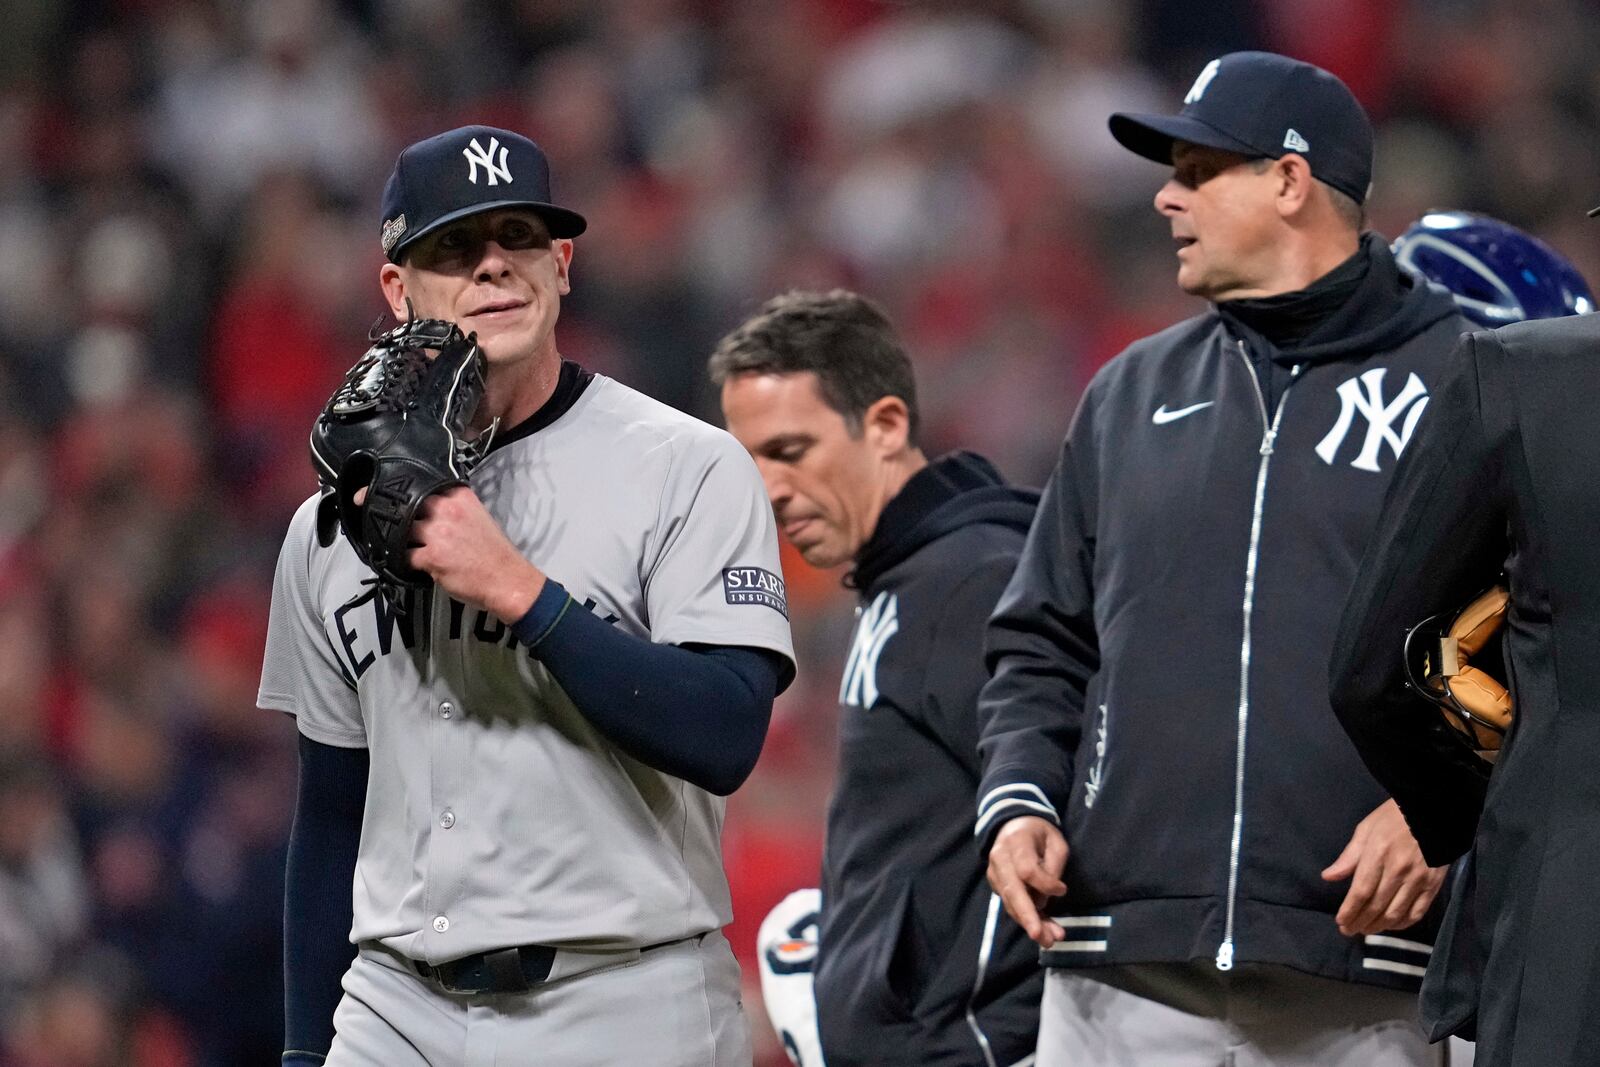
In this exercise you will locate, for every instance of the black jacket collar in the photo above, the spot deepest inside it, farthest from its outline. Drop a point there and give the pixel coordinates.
(953, 491)
(1384, 307)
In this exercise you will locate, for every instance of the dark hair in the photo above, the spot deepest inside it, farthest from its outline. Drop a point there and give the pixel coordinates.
(842, 337)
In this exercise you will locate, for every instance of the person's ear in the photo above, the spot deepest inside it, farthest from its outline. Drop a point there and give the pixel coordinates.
(392, 280)
(562, 248)
(887, 425)
(1295, 185)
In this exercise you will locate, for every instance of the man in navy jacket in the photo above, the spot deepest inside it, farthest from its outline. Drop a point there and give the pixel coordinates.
(1168, 804)
(916, 963)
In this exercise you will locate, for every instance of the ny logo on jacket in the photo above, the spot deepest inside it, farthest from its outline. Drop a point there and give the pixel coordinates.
(877, 622)
(1364, 394)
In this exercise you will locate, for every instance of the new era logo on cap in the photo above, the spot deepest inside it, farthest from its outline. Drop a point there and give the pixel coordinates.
(1262, 105)
(463, 172)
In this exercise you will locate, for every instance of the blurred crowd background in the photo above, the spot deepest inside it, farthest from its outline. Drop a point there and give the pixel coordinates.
(188, 263)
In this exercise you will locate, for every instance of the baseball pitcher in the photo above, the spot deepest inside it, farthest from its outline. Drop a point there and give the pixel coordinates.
(525, 668)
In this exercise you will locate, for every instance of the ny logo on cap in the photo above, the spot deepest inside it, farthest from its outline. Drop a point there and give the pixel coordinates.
(1198, 89)
(495, 169)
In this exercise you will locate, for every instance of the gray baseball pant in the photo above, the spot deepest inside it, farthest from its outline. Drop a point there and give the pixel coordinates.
(1192, 1015)
(675, 1006)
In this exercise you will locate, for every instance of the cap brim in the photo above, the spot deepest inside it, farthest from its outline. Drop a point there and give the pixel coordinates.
(1151, 136)
(560, 221)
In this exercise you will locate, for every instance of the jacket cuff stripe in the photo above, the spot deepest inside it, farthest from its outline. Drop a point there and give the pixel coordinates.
(1390, 965)
(1075, 946)
(1385, 941)
(1008, 805)
(1027, 788)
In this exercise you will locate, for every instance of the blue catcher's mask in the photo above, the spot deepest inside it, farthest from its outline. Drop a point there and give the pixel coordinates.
(1497, 273)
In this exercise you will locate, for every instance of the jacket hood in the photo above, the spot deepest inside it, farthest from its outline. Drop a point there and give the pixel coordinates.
(956, 490)
(1387, 309)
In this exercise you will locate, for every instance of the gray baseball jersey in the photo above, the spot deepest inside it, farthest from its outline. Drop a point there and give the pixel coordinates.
(496, 815)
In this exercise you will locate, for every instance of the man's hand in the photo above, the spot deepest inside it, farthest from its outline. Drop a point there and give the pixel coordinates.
(463, 548)
(1392, 885)
(1025, 868)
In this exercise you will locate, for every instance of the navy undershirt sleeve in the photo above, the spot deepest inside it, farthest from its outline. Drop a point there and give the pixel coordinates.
(699, 713)
(317, 895)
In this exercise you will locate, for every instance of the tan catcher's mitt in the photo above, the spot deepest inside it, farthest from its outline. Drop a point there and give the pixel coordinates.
(1441, 653)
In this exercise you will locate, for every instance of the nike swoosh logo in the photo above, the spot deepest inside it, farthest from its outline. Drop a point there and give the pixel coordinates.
(1163, 416)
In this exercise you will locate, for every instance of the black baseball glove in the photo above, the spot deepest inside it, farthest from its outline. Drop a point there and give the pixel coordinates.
(396, 428)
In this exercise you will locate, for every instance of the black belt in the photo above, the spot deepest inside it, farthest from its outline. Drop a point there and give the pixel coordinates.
(507, 970)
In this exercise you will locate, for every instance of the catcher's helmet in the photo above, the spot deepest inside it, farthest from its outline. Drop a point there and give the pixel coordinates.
(1497, 273)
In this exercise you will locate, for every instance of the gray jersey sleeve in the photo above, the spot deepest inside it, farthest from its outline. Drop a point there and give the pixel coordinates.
(714, 576)
(300, 674)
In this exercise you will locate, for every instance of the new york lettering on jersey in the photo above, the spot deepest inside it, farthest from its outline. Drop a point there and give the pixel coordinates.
(365, 627)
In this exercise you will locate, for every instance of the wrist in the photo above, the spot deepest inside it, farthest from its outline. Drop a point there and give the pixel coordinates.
(517, 594)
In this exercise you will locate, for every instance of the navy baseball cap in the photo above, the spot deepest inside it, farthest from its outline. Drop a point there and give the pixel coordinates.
(1261, 104)
(463, 172)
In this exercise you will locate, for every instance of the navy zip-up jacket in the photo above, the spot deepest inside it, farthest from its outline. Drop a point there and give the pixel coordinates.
(916, 962)
(1160, 656)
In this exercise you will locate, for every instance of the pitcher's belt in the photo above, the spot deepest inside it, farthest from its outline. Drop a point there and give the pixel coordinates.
(513, 970)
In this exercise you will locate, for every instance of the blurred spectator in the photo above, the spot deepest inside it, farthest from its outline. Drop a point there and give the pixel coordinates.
(1088, 75)
(91, 1015)
(291, 97)
(24, 659)
(278, 344)
(69, 1022)
(44, 901)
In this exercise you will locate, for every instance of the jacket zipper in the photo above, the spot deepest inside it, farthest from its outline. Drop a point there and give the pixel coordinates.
(985, 949)
(1268, 438)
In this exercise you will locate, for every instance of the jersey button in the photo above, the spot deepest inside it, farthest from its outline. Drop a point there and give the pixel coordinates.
(448, 819)
(446, 710)
(441, 924)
